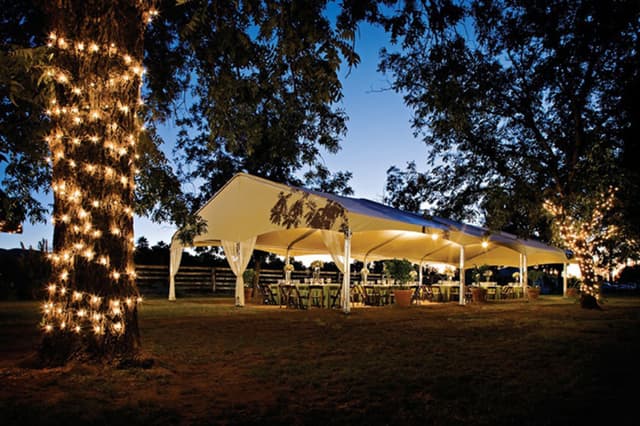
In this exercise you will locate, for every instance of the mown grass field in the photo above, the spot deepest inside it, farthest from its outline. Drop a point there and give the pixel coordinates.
(541, 363)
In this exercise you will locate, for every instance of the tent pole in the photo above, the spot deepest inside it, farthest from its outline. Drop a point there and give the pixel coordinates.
(239, 281)
(462, 286)
(287, 273)
(564, 279)
(172, 287)
(420, 274)
(525, 278)
(520, 281)
(346, 279)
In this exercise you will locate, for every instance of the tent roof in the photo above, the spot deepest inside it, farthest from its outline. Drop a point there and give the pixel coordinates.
(287, 219)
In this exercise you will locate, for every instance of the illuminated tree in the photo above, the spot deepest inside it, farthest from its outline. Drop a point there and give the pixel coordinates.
(252, 84)
(522, 103)
(583, 228)
(96, 72)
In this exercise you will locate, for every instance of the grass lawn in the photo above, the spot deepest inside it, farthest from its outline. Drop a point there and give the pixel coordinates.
(544, 362)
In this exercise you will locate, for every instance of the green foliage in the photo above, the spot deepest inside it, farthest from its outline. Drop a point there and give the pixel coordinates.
(248, 276)
(251, 86)
(478, 272)
(24, 272)
(630, 274)
(518, 102)
(399, 270)
(573, 282)
(262, 91)
(536, 277)
(24, 170)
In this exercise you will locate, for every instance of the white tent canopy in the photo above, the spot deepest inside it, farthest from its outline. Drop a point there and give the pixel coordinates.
(294, 221)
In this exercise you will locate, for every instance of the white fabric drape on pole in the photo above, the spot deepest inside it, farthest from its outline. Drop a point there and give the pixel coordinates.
(333, 241)
(175, 256)
(462, 290)
(346, 281)
(564, 279)
(521, 276)
(238, 255)
(525, 277)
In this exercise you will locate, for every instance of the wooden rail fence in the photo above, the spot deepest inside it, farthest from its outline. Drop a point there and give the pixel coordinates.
(154, 279)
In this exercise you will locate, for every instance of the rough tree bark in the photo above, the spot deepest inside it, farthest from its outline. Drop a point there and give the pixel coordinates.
(96, 68)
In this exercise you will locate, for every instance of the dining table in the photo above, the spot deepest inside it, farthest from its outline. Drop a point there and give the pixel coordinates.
(309, 293)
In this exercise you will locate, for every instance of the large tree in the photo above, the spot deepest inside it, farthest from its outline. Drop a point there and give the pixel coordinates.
(252, 82)
(525, 109)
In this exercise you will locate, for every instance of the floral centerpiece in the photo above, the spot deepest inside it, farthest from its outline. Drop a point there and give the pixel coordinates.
(413, 275)
(516, 276)
(487, 274)
(315, 266)
(449, 272)
(364, 272)
(288, 268)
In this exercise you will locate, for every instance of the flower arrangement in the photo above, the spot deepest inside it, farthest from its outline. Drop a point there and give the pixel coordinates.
(516, 276)
(316, 264)
(413, 274)
(487, 274)
(364, 271)
(288, 267)
(449, 272)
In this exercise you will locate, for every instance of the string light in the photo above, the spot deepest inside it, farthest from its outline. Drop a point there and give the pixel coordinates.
(584, 234)
(86, 122)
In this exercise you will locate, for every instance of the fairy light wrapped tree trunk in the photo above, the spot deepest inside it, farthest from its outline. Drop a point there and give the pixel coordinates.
(582, 230)
(96, 70)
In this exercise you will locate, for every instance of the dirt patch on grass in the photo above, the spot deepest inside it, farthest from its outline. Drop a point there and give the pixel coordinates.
(525, 363)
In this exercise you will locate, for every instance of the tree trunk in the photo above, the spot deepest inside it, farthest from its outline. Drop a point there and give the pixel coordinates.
(96, 72)
(589, 293)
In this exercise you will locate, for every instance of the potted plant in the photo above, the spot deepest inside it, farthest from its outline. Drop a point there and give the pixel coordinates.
(400, 270)
(533, 292)
(536, 277)
(478, 293)
(573, 287)
(248, 276)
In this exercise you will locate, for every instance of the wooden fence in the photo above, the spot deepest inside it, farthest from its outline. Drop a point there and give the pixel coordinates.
(198, 280)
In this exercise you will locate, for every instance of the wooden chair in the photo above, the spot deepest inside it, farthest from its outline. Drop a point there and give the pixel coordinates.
(371, 296)
(357, 294)
(426, 294)
(268, 298)
(507, 292)
(454, 294)
(468, 296)
(334, 296)
(492, 293)
(301, 296)
(385, 295)
(436, 293)
(287, 295)
(316, 296)
(415, 298)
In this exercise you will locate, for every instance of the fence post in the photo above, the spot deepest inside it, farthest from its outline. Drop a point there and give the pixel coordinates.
(213, 279)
